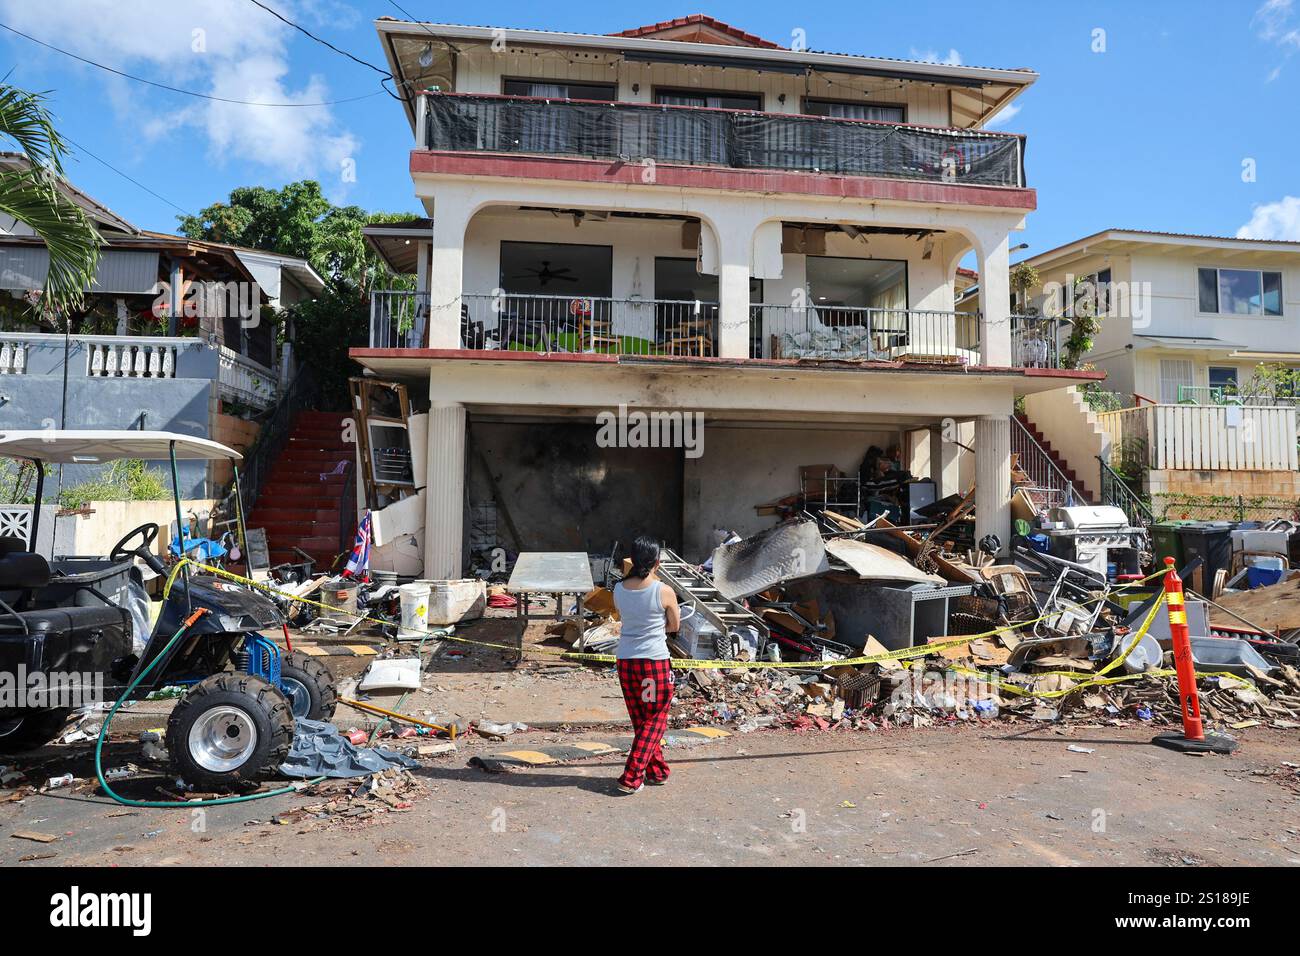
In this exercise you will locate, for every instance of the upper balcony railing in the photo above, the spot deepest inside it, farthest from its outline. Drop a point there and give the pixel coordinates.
(633, 326)
(737, 139)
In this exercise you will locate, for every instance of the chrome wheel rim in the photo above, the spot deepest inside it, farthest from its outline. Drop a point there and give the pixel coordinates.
(222, 739)
(298, 694)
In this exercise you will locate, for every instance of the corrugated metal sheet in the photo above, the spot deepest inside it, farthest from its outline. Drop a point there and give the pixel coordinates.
(121, 271)
(126, 270)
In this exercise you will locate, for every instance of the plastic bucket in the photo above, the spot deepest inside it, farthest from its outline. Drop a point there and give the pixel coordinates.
(414, 599)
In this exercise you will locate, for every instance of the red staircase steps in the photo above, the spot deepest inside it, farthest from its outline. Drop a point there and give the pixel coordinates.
(1051, 453)
(296, 506)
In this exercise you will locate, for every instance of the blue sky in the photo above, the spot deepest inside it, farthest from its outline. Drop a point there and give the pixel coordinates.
(1151, 133)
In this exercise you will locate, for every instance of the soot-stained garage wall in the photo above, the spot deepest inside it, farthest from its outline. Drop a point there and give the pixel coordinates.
(744, 465)
(565, 493)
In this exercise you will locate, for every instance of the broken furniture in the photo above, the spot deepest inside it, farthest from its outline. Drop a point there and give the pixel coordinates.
(913, 614)
(553, 574)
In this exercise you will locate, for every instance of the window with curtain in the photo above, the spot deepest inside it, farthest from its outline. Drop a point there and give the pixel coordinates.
(1174, 373)
(684, 138)
(843, 109)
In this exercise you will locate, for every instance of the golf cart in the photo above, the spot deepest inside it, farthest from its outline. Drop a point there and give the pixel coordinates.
(85, 621)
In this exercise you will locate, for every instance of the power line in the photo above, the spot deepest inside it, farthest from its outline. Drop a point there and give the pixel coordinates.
(303, 30)
(129, 179)
(176, 89)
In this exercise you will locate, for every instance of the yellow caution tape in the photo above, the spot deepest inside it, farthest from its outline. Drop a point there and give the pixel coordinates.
(901, 654)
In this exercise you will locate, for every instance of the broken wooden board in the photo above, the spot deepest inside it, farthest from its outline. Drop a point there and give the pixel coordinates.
(952, 572)
(875, 563)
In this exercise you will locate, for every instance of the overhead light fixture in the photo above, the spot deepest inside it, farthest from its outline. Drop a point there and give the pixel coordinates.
(426, 56)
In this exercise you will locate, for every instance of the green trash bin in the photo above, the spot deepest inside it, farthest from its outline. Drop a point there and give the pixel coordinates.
(1168, 543)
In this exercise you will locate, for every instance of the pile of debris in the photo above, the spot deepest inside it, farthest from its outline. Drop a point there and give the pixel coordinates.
(897, 629)
(350, 803)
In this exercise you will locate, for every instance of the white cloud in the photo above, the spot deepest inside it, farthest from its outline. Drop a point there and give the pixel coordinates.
(934, 56)
(1275, 23)
(1275, 220)
(1002, 116)
(225, 48)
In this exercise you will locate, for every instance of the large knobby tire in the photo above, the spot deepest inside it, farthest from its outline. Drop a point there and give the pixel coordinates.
(31, 730)
(309, 685)
(229, 731)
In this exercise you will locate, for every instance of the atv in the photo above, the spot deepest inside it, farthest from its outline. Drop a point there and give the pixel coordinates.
(80, 628)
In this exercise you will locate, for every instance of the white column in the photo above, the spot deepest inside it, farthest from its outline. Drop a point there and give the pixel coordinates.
(444, 493)
(732, 229)
(995, 299)
(451, 214)
(993, 478)
(943, 457)
(733, 310)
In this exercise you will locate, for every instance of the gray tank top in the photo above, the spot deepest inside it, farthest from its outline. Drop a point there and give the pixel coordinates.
(642, 614)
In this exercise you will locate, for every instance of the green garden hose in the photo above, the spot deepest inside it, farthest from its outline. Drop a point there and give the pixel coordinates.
(172, 804)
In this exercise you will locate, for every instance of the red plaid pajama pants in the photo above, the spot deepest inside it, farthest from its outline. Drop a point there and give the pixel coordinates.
(648, 692)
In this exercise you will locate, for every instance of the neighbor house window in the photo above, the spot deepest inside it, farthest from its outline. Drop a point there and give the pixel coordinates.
(1223, 381)
(1090, 295)
(1239, 291)
(1174, 374)
(844, 109)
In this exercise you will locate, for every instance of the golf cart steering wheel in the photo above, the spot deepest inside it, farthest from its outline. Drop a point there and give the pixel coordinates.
(147, 532)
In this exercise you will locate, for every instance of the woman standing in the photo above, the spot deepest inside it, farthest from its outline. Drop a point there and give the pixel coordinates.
(648, 610)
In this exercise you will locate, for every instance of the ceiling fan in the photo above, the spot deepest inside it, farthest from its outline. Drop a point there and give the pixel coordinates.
(545, 274)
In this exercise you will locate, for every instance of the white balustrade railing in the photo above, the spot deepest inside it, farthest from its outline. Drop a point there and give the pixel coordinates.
(13, 356)
(244, 380)
(133, 357)
(107, 356)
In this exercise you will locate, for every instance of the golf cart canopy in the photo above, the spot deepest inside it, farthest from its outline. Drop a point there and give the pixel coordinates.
(93, 447)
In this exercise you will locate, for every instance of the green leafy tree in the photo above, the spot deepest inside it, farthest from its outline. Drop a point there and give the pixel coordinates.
(29, 192)
(297, 220)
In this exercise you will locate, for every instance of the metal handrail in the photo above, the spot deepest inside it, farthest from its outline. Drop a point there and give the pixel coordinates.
(274, 435)
(1134, 508)
(1056, 483)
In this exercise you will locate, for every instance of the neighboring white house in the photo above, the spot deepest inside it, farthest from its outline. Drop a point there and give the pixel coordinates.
(688, 218)
(1187, 319)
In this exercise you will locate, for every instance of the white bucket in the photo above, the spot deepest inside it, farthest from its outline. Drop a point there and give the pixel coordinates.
(414, 598)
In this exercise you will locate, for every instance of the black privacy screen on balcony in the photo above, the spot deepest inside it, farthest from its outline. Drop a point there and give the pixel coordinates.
(741, 140)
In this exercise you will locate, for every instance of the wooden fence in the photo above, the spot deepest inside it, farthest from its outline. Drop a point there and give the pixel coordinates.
(1205, 437)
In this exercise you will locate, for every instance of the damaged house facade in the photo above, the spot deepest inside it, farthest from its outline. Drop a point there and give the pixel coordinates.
(688, 220)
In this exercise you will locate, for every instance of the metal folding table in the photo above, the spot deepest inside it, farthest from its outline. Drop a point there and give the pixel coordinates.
(554, 574)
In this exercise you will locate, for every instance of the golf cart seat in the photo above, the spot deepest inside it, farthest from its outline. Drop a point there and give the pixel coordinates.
(68, 640)
(23, 575)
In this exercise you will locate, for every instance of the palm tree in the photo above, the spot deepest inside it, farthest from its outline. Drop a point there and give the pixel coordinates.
(29, 193)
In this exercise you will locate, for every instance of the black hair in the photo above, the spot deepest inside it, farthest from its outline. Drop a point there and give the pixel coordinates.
(644, 555)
